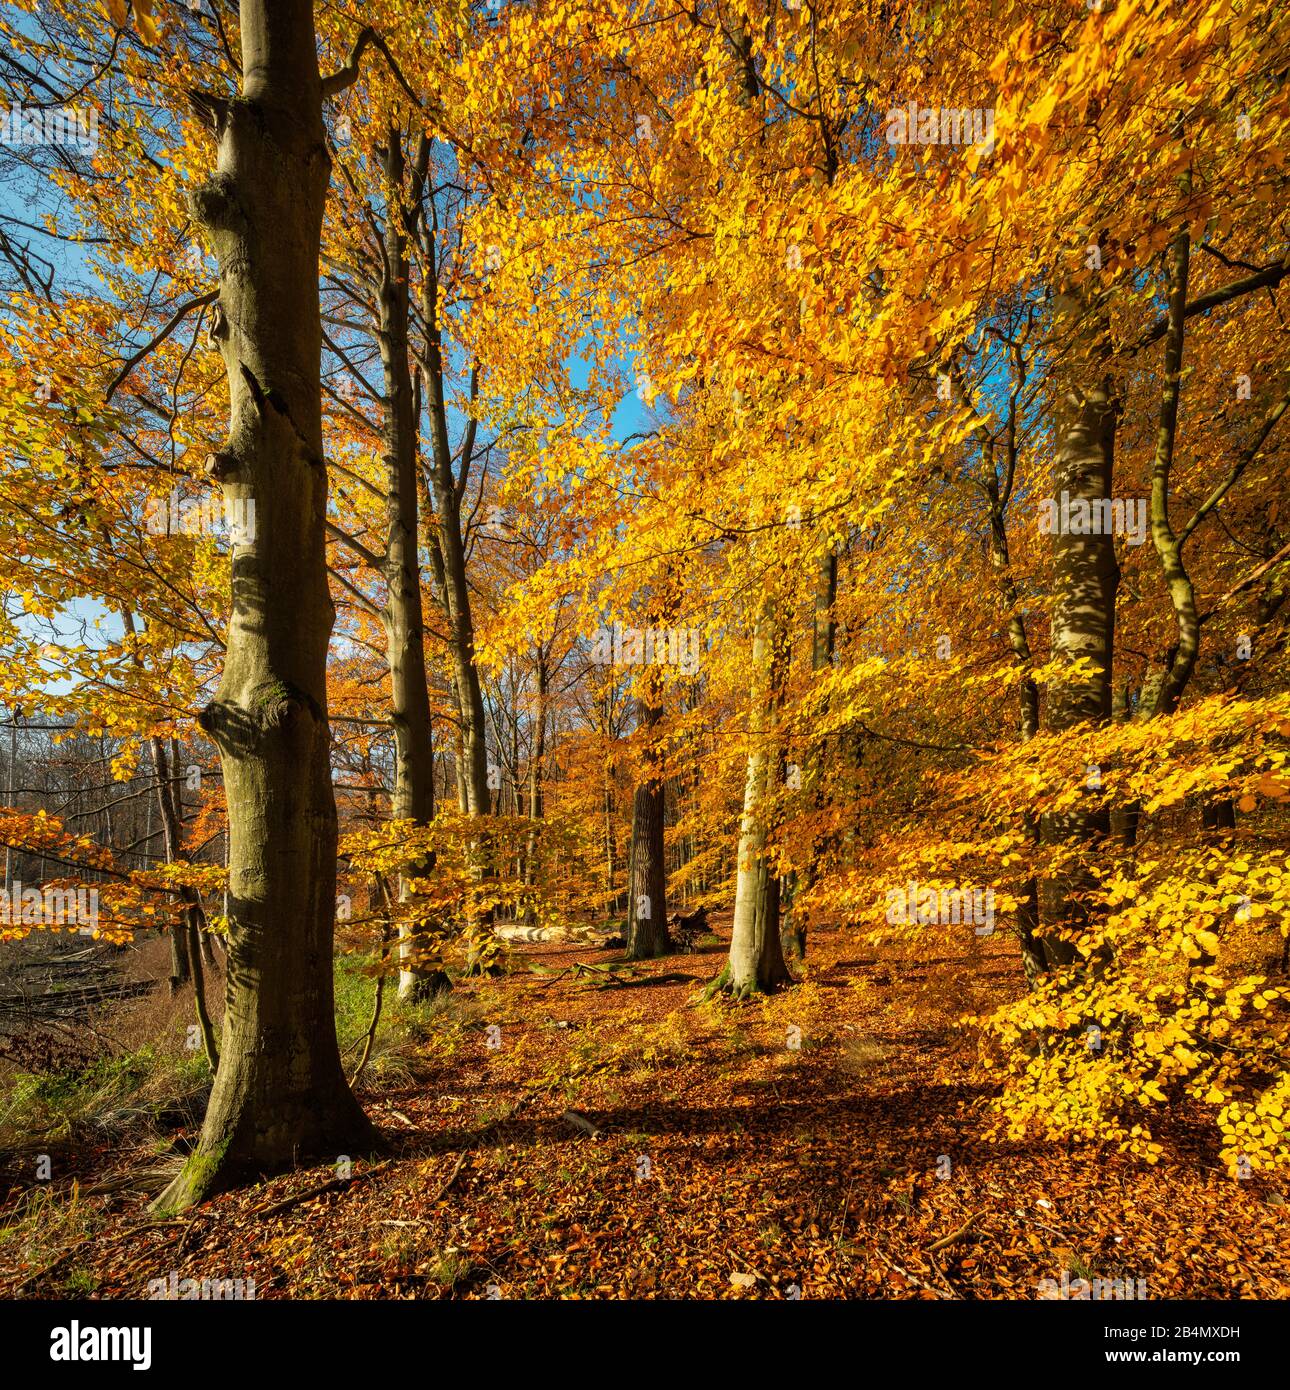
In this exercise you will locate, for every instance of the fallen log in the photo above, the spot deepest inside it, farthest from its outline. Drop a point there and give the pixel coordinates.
(530, 935)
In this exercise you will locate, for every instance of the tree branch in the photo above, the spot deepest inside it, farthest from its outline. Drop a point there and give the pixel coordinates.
(179, 316)
(359, 549)
(348, 75)
(1239, 467)
(1271, 275)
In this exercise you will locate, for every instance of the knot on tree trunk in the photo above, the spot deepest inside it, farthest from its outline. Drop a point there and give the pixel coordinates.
(279, 704)
(210, 108)
(214, 203)
(216, 720)
(221, 465)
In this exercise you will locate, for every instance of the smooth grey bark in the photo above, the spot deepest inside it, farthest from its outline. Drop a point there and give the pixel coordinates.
(403, 617)
(280, 1093)
(756, 960)
(1085, 580)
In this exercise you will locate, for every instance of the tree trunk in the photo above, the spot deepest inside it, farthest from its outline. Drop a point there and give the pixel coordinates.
(456, 592)
(413, 797)
(1181, 659)
(459, 765)
(452, 550)
(823, 646)
(1166, 682)
(647, 874)
(1086, 576)
(195, 917)
(535, 765)
(1218, 815)
(181, 971)
(185, 937)
(181, 939)
(756, 962)
(1033, 961)
(280, 1093)
(536, 760)
(181, 963)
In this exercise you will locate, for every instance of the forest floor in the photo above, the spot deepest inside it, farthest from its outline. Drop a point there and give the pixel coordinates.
(826, 1143)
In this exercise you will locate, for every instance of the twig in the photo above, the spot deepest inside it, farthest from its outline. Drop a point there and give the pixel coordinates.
(386, 935)
(71, 1250)
(954, 1236)
(452, 1178)
(670, 977)
(331, 1185)
(554, 978)
(180, 314)
(945, 1279)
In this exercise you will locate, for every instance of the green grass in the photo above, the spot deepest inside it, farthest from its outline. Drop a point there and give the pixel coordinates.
(80, 1283)
(42, 1224)
(110, 1093)
(408, 1034)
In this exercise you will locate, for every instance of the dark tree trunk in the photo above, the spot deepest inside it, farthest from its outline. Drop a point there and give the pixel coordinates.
(823, 647)
(185, 936)
(181, 970)
(1033, 960)
(450, 563)
(1181, 660)
(536, 801)
(452, 552)
(1218, 815)
(647, 875)
(280, 1093)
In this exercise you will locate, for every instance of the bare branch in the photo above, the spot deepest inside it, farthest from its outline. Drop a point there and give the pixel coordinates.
(1270, 275)
(179, 316)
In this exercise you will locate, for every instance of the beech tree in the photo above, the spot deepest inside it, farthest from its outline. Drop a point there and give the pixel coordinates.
(280, 1090)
